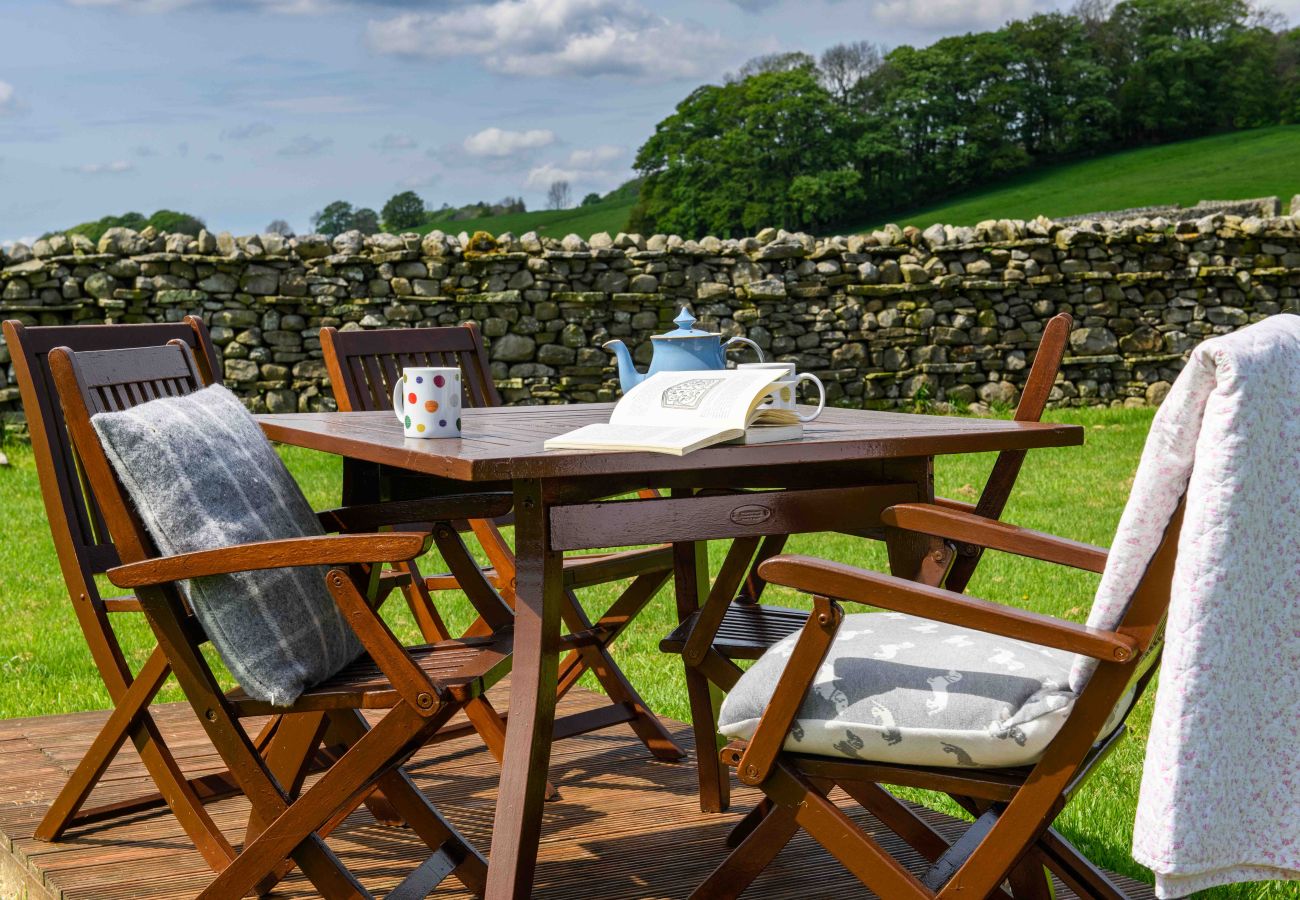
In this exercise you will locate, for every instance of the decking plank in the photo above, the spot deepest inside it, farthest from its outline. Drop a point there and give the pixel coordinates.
(626, 826)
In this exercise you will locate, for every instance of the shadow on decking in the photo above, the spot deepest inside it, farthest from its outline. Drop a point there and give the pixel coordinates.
(626, 825)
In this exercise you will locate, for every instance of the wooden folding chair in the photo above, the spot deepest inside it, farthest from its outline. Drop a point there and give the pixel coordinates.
(1011, 838)
(732, 624)
(420, 688)
(85, 550)
(363, 367)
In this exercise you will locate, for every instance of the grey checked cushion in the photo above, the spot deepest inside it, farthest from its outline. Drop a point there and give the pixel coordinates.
(900, 689)
(201, 476)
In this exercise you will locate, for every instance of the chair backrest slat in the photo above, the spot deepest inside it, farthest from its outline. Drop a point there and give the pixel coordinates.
(1006, 468)
(76, 522)
(364, 365)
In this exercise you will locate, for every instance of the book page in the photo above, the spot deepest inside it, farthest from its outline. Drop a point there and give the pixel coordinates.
(674, 439)
(724, 399)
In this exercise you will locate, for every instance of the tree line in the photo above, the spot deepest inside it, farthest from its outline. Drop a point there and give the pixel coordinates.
(807, 143)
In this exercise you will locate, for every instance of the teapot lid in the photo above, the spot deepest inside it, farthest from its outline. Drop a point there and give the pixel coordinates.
(685, 323)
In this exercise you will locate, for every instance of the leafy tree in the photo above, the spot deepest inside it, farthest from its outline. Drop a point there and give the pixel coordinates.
(163, 220)
(365, 220)
(280, 227)
(176, 222)
(335, 218)
(403, 211)
(725, 161)
(844, 66)
(773, 62)
(558, 195)
(1288, 68)
(590, 199)
(805, 143)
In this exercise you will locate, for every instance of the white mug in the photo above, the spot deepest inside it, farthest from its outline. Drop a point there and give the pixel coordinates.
(427, 402)
(785, 389)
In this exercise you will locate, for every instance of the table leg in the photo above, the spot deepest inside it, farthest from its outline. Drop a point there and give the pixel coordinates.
(539, 591)
(691, 574)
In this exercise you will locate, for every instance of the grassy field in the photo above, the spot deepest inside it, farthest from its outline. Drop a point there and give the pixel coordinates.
(1260, 163)
(1078, 492)
(608, 215)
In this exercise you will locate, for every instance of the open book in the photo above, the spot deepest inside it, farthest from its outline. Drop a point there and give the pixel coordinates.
(677, 412)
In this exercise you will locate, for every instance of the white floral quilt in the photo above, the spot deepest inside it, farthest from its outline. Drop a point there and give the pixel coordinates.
(1220, 796)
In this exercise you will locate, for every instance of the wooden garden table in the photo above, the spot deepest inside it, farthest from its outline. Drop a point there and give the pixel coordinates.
(850, 465)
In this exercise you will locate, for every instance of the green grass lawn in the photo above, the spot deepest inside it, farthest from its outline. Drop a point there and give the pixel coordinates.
(1077, 492)
(608, 215)
(1234, 166)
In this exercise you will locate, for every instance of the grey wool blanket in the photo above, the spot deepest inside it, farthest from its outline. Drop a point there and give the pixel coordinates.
(202, 475)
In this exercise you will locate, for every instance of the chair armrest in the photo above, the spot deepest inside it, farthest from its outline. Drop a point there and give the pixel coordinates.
(958, 505)
(337, 549)
(953, 524)
(841, 582)
(372, 516)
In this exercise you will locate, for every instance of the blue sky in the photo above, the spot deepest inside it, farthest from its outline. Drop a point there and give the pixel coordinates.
(244, 111)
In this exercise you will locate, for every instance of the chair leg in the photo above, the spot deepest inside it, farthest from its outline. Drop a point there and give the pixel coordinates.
(745, 827)
(596, 657)
(750, 857)
(292, 832)
(422, 607)
(863, 857)
(1073, 868)
(754, 585)
(423, 816)
(612, 624)
(130, 718)
(484, 718)
(1030, 880)
(898, 817)
(287, 759)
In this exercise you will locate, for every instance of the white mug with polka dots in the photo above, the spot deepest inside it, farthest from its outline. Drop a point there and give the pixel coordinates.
(785, 389)
(427, 402)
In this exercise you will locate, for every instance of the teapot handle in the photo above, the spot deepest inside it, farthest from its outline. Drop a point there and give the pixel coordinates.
(744, 340)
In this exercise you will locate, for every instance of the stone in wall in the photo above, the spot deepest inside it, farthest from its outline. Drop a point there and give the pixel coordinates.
(949, 314)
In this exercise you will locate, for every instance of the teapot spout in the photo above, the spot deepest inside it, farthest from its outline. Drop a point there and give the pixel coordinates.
(628, 376)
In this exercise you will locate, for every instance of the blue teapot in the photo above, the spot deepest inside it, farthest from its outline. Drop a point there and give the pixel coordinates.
(687, 349)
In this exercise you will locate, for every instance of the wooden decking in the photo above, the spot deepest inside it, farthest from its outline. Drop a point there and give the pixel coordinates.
(626, 825)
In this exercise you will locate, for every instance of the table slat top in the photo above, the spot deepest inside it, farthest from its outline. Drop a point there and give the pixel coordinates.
(505, 443)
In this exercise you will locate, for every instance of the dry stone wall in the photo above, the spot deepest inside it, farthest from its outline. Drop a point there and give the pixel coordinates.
(944, 315)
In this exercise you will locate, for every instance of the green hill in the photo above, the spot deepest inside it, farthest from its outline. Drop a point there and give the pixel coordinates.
(609, 214)
(1233, 166)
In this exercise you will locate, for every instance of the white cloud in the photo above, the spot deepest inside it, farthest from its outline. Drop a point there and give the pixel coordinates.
(306, 145)
(213, 157)
(949, 15)
(499, 143)
(592, 167)
(165, 6)
(116, 167)
(247, 132)
(8, 99)
(395, 142)
(585, 38)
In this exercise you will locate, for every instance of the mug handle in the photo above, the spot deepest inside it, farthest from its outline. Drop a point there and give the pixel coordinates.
(399, 402)
(744, 340)
(821, 391)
